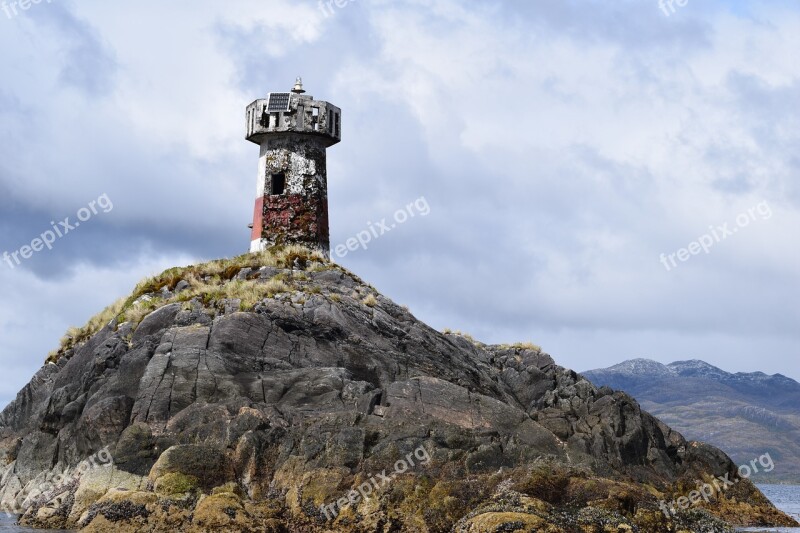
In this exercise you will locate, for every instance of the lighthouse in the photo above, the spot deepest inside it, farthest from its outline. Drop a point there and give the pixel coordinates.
(293, 131)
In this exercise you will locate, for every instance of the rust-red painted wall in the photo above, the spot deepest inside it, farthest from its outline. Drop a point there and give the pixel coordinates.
(258, 219)
(299, 215)
(295, 218)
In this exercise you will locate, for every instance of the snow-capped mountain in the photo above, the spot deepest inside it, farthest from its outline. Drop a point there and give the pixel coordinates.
(745, 414)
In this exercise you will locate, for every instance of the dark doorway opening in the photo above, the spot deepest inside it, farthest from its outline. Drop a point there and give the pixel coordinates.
(278, 184)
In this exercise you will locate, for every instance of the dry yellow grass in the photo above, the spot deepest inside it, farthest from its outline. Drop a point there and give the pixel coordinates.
(470, 338)
(370, 300)
(140, 309)
(516, 346)
(522, 346)
(208, 282)
(275, 286)
(75, 336)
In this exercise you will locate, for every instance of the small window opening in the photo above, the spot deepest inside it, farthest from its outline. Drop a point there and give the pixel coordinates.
(278, 184)
(315, 118)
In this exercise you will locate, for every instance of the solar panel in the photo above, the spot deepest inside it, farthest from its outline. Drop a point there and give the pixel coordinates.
(278, 102)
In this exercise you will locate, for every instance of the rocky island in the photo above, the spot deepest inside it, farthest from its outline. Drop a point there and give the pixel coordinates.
(279, 392)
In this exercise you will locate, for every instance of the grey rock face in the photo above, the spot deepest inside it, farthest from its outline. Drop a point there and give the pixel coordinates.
(727, 410)
(328, 381)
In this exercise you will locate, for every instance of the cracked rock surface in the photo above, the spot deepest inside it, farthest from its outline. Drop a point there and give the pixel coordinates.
(253, 420)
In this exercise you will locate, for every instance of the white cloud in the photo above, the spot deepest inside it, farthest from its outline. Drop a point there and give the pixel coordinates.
(36, 312)
(562, 146)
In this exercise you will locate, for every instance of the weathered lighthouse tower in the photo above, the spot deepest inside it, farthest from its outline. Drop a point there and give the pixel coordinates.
(293, 130)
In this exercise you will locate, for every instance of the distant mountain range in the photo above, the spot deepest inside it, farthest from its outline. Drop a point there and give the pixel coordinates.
(746, 415)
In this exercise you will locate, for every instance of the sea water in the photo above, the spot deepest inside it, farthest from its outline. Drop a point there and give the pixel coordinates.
(787, 499)
(8, 525)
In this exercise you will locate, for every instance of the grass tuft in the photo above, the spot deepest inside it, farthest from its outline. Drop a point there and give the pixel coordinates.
(76, 336)
(209, 283)
(522, 346)
(457, 333)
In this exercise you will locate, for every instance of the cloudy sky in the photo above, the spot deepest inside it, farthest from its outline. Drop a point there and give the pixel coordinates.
(561, 147)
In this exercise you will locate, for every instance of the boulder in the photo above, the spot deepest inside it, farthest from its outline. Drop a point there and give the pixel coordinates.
(328, 394)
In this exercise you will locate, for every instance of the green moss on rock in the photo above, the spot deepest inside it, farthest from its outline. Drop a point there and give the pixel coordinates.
(176, 484)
